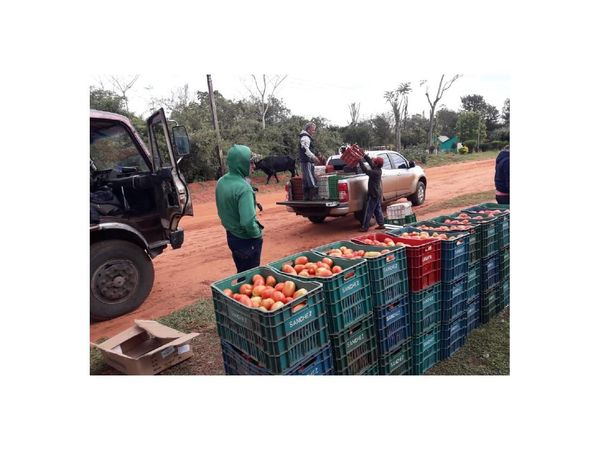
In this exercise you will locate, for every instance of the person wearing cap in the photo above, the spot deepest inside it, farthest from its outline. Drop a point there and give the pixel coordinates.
(502, 176)
(308, 157)
(236, 208)
(375, 193)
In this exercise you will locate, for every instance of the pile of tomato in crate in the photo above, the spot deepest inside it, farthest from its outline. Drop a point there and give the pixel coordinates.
(393, 303)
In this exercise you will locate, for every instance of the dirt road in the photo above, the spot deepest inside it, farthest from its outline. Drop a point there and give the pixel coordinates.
(184, 276)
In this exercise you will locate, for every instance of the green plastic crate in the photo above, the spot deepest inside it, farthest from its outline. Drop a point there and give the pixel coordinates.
(374, 370)
(426, 350)
(503, 221)
(490, 234)
(425, 309)
(411, 218)
(397, 362)
(347, 294)
(504, 264)
(275, 340)
(355, 349)
(388, 274)
(332, 182)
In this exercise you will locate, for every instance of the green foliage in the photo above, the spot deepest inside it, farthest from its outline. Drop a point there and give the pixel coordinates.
(506, 113)
(445, 122)
(470, 143)
(500, 134)
(467, 125)
(104, 100)
(415, 131)
(417, 154)
(361, 134)
(382, 130)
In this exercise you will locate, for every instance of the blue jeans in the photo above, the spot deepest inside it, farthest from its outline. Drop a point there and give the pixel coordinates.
(373, 206)
(245, 252)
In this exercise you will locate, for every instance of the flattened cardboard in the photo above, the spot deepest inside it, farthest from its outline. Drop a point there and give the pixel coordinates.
(146, 348)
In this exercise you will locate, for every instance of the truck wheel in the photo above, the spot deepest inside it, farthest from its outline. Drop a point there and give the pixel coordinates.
(358, 215)
(419, 196)
(121, 277)
(316, 219)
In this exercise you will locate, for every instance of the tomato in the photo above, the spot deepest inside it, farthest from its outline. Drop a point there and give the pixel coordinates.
(258, 290)
(299, 268)
(258, 278)
(276, 306)
(297, 307)
(336, 269)
(267, 292)
(288, 269)
(301, 260)
(289, 287)
(228, 292)
(300, 293)
(270, 281)
(279, 286)
(278, 296)
(328, 261)
(267, 303)
(246, 289)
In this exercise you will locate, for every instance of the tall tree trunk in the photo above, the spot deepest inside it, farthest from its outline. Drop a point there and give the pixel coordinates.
(398, 129)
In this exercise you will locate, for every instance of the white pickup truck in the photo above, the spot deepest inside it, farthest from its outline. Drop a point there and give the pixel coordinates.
(401, 178)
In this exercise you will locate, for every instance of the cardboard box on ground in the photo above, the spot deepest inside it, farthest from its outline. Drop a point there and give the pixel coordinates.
(146, 348)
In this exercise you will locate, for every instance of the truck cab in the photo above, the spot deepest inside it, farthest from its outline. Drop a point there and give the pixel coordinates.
(137, 198)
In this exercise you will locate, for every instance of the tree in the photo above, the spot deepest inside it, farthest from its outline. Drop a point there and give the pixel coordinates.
(442, 87)
(360, 133)
(468, 124)
(354, 113)
(264, 94)
(415, 131)
(398, 100)
(506, 112)
(122, 86)
(488, 113)
(382, 130)
(104, 100)
(445, 122)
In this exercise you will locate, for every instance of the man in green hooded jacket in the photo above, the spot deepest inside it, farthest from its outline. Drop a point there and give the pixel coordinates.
(237, 210)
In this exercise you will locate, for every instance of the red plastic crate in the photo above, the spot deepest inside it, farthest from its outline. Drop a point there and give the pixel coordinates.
(424, 262)
(352, 155)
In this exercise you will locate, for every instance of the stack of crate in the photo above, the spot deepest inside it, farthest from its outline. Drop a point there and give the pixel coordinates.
(425, 300)
(388, 281)
(400, 214)
(327, 185)
(349, 312)
(289, 341)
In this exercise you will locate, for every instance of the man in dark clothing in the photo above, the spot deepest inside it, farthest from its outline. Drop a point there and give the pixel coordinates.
(502, 177)
(308, 157)
(237, 210)
(375, 194)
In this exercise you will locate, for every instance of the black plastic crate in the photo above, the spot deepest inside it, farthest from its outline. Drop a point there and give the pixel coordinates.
(474, 280)
(392, 325)
(275, 340)
(453, 335)
(490, 272)
(426, 350)
(454, 299)
(491, 304)
(237, 363)
(397, 362)
(425, 309)
(473, 315)
(504, 264)
(355, 349)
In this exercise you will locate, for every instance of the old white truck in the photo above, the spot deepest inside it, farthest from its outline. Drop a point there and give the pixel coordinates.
(401, 178)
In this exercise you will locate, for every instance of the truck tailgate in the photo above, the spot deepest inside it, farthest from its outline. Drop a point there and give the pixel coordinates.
(310, 204)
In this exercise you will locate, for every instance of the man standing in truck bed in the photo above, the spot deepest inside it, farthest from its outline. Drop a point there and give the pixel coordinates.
(308, 158)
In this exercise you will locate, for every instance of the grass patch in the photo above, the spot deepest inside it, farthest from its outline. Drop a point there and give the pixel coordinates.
(486, 351)
(459, 202)
(444, 159)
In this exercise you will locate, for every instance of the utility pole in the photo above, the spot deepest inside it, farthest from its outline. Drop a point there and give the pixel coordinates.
(213, 110)
(478, 127)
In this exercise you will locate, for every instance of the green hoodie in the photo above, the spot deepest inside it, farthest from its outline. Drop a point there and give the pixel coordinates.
(235, 198)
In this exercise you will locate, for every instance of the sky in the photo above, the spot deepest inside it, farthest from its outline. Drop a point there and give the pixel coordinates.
(326, 95)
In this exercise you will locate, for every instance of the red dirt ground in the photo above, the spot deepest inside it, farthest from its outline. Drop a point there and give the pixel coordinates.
(183, 276)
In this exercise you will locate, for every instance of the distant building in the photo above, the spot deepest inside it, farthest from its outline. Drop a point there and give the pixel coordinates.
(446, 144)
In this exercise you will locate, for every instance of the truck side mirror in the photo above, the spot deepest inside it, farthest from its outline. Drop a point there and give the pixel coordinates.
(411, 164)
(181, 141)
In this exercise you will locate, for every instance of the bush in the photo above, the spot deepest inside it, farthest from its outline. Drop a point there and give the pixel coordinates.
(415, 154)
(463, 150)
(470, 143)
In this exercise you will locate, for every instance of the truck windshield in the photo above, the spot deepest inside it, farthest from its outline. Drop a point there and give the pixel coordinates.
(111, 147)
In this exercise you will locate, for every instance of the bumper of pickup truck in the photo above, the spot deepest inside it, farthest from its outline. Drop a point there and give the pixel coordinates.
(317, 208)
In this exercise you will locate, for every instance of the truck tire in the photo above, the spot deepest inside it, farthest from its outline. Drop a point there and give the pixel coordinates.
(316, 219)
(358, 215)
(121, 278)
(419, 196)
